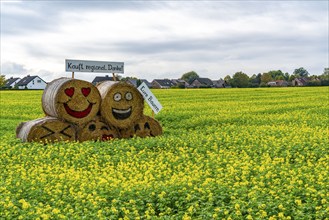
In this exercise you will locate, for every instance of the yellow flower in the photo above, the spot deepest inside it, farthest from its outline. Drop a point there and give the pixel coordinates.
(263, 213)
(281, 215)
(45, 216)
(262, 206)
(56, 211)
(25, 205)
(249, 217)
(237, 206)
(186, 217)
(281, 207)
(298, 202)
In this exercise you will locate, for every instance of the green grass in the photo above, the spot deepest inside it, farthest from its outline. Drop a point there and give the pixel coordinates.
(225, 153)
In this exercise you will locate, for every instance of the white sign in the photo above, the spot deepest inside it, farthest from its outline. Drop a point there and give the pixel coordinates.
(150, 98)
(93, 66)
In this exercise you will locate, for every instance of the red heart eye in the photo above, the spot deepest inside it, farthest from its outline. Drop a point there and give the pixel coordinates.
(69, 91)
(85, 91)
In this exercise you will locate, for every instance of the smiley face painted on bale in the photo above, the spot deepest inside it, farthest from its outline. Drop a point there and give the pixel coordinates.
(46, 130)
(78, 113)
(97, 130)
(122, 114)
(122, 104)
(76, 101)
(144, 127)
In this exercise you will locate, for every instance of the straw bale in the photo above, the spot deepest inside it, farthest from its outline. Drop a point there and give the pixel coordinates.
(97, 130)
(122, 105)
(46, 130)
(73, 100)
(144, 127)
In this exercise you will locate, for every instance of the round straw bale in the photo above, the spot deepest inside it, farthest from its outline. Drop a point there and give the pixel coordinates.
(127, 132)
(73, 100)
(97, 129)
(46, 130)
(122, 105)
(144, 127)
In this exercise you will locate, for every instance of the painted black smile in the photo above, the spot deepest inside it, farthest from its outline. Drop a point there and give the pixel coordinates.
(121, 114)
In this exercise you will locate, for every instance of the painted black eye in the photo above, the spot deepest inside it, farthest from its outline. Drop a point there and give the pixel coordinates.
(92, 127)
(117, 97)
(147, 125)
(104, 128)
(129, 96)
(137, 127)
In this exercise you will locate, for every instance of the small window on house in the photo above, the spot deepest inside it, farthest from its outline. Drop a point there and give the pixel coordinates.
(33, 82)
(39, 81)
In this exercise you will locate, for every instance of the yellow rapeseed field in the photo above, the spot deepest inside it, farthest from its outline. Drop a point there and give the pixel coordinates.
(224, 154)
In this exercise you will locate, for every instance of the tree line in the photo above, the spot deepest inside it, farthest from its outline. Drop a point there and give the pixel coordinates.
(242, 80)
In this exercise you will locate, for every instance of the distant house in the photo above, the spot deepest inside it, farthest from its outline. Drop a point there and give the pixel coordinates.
(180, 83)
(134, 82)
(31, 82)
(299, 82)
(279, 83)
(162, 84)
(99, 79)
(202, 83)
(219, 83)
(11, 82)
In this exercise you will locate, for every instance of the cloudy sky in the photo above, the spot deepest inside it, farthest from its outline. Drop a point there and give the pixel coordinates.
(164, 39)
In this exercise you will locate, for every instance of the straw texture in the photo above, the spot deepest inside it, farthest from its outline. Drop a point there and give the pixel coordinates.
(73, 100)
(122, 105)
(46, 130)
(144, 127)
(97, 130)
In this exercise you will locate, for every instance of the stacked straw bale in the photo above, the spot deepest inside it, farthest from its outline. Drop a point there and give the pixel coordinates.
(122, 104)
(144, 127)
(97, 130)
(47, 129)
(72, 100)
(76, 110)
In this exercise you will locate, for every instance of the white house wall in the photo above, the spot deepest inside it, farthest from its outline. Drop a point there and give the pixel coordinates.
(36, 83)
(14, 83)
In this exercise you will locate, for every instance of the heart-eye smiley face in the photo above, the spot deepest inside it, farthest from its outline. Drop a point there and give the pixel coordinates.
(122, 104)
(73, 100)
(78, 113)
(97, 130)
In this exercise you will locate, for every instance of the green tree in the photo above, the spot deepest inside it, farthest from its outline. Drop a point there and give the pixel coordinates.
(276, 74)
(240, 80)
(190, 76)
(325, 77)
(228, 80)
(301, 72)
(138, 82)
(266, 77)
(292, 77)
(2, 80)
(286, 76)
(255, 80)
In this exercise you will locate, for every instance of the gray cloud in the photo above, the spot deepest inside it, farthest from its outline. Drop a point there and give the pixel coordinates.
(13, 68)
(221, 36)
(29, 16)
